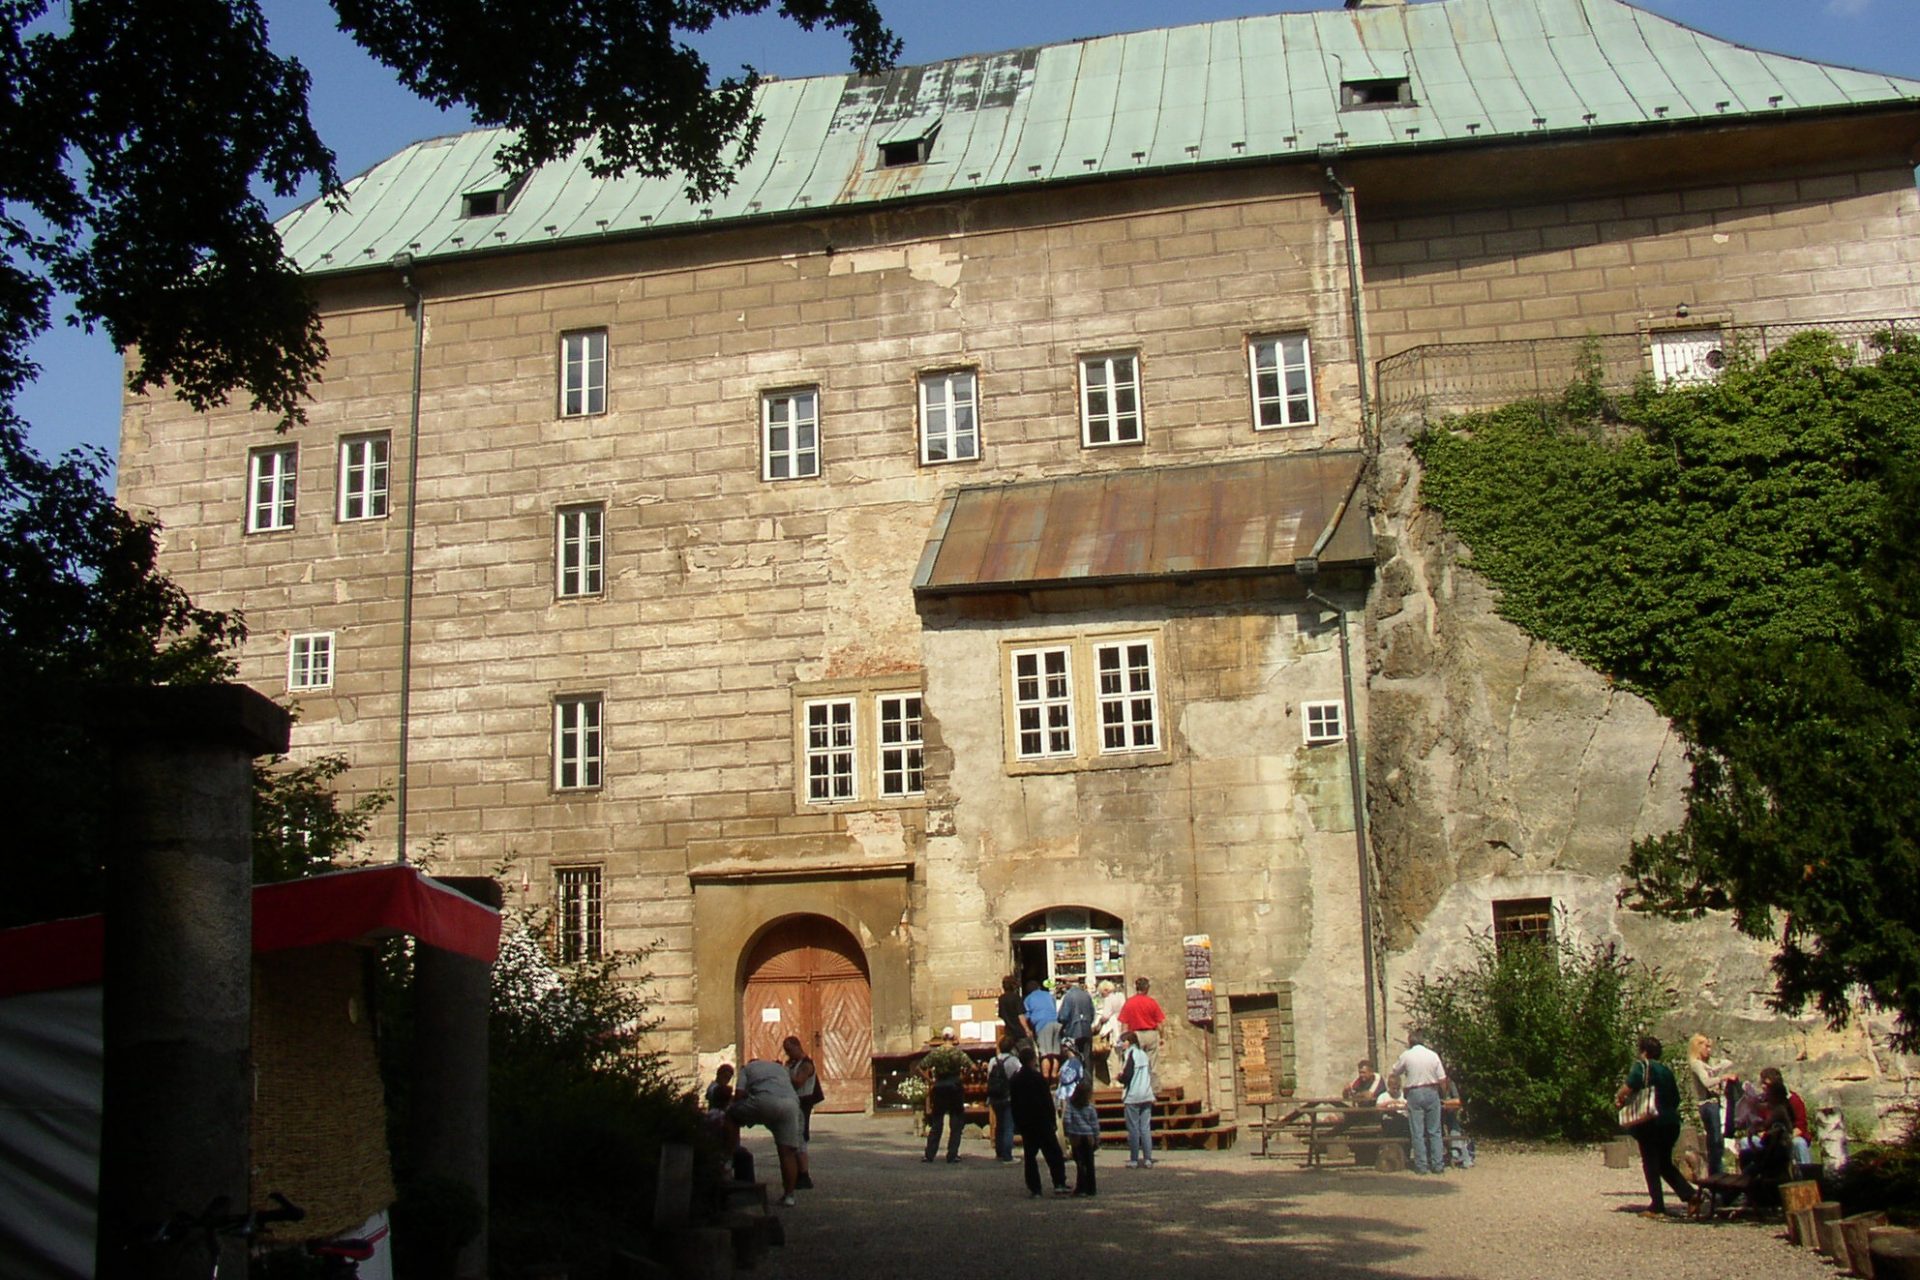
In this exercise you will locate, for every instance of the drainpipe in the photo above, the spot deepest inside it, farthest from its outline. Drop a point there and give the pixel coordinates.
(403, 262)
(1356, 286)
(1307, 567)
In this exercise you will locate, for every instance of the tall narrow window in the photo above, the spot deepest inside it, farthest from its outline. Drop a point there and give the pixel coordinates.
(1129, 712)
(580, 549)
(583, 373)
(1282, 381)
(830, 751)
(949, 417)
(576, 742)
(1109, 400)
(363, 477)
(1042, 703)
(1324, 722)
(790, 434)
(270, 488)
(902, 750)
(310, 661)
(576, 914)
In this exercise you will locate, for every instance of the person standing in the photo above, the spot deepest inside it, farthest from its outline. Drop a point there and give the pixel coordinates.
(1143, 1016)
(1044, 1018)
(1000, 1097)
(1705, 1081)
(1136, 1096)
(1107, 1028)
(1082, 1121)
(1419, 1076)
(1657, 1136)
(806, 1087)
(766, 1097)
(1076, 1019)
(1012, 1013)
(1033, 1116)
(945, 1071)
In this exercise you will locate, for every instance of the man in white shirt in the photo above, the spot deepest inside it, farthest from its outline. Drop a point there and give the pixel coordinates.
(1420, 1074)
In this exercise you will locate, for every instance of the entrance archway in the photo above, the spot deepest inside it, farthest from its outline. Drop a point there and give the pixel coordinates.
(1070, 943)
(807, 977)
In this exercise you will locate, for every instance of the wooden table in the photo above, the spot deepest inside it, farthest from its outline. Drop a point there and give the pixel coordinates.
(1324, 1123)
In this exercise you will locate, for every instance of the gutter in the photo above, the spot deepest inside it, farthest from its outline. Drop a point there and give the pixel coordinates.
(403, 263)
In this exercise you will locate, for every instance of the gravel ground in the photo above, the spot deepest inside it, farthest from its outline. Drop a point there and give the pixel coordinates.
(1519, 1213)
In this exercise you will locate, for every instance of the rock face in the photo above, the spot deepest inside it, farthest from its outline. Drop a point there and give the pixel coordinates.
(1501, 769)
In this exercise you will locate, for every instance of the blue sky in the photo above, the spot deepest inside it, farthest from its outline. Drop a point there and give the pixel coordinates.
(365, 116)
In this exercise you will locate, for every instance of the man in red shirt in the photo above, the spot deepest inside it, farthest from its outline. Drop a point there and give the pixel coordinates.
(1142, 1015)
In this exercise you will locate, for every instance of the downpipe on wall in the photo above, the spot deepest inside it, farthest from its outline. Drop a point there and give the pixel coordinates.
(403, 263)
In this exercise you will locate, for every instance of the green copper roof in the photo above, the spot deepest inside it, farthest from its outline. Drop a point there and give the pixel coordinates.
(1477, 71)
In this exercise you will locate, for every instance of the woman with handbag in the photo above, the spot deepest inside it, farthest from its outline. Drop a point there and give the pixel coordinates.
(1649, 1105)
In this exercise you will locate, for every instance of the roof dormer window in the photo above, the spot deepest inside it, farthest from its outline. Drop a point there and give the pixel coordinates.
(908, 142)
(491, 199)
(1392, 91)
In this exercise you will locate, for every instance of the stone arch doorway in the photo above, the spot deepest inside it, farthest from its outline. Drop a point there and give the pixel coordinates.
(807, 976)
(1070, 944)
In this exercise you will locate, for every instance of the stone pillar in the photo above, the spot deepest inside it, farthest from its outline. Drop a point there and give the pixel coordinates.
(177, 986)
(447, 1137)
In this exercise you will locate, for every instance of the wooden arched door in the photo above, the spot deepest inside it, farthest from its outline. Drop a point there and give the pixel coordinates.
(807, 977)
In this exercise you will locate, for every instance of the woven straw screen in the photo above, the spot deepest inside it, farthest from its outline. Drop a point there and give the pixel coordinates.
(319, 1114)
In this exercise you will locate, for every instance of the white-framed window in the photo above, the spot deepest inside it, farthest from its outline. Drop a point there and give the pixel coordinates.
(1282, 372)
(1109, 400)
(831, 745)
(363, 477)
(271, 487)
(1043, 702)
(310, 661)
(902, 745)
(1323, 722)
(577, 747)
(583, 373)
(1129, 709)
(1108, 681)
(576, 914)
(790, 434)
(859, 742)
(949, 416)
(580, 548)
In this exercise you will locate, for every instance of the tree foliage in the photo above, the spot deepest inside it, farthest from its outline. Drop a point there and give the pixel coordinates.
(140, 136)
(1537, 1034)
(1744, 554)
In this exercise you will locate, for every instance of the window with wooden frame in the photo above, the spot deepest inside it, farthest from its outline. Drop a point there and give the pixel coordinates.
(363, 477)
(578, 751)
(949, 417)
(272, 487)
(1323, 722)
(310, 661)
(1053, 687)
(1281, 368)
(580, 550)
(1110, 400)
(1522, 922)
(577, 914)
(583, 373)
(790, 434)
(860, 742)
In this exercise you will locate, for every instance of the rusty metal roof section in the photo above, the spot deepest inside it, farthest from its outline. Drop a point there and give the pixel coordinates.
(1276, 88)
(1221, 519)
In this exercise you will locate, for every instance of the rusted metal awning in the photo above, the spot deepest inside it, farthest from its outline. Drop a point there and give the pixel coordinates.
(1253, 515)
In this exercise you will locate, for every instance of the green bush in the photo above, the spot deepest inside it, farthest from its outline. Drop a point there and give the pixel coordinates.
(1883, 1175)
(1538, 1034)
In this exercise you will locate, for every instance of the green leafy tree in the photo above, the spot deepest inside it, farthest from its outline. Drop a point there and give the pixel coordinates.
(299, 826)
(1744, 554)
(1538, 1033)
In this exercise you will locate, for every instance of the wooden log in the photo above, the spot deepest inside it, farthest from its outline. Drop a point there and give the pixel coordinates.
(1826, 1228)
(1853, 1231)
(1800, 1229)
(1799, 1195)
(1618, 1154)
(1895, 1252)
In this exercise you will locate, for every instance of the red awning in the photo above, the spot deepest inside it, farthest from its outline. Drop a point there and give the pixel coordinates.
(343, 906)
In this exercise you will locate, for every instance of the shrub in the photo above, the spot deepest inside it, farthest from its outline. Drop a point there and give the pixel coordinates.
(1883, 1175)
(1537, 1035)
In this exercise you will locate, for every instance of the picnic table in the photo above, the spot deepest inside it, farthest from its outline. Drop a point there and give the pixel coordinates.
(1328, 1127)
